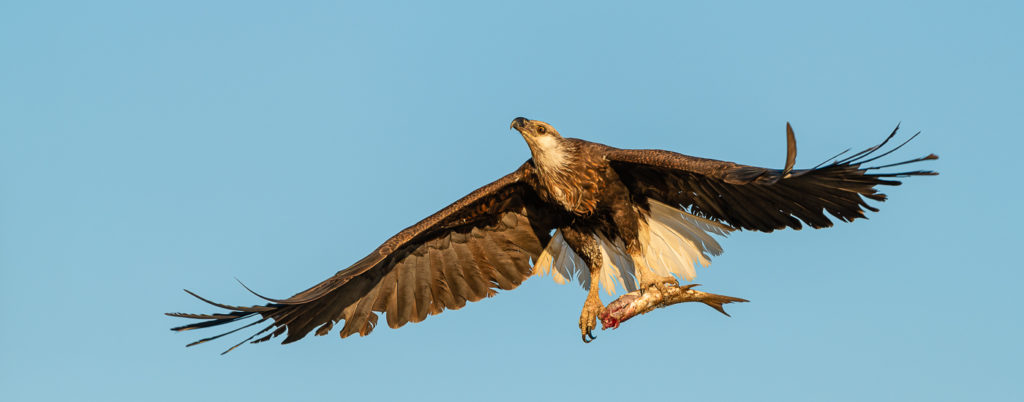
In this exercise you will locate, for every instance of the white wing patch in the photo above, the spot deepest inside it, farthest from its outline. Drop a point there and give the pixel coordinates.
(673, 242)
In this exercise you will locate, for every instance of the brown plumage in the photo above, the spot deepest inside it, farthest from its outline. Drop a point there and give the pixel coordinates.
(486, 240)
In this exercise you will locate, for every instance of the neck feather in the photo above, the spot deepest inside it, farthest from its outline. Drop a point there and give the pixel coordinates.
(550, 153)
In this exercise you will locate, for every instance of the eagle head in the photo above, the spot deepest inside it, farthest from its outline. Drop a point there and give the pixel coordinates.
(533, 128)
(544, 141)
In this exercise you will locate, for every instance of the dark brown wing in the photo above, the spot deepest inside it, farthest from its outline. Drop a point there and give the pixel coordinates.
(755, 198)
(480, 243)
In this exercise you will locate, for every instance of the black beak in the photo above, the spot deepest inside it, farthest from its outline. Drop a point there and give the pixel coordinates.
(519, 123)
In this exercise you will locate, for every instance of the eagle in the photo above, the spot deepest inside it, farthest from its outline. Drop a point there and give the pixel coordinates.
(607, 217)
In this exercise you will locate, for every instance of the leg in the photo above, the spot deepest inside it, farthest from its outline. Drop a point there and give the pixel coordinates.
(587, 248)
(636, 234)
(592, 307)
(648, 279)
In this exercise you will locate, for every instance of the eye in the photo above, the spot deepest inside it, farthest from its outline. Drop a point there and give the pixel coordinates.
(542, 130)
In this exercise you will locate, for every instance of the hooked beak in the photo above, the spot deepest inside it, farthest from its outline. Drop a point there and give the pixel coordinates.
(518, 123)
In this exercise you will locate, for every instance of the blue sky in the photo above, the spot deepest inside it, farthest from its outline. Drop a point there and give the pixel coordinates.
(146, 148)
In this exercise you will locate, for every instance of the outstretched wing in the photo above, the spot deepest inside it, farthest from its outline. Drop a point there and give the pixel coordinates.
(755, 198)
(460, 254)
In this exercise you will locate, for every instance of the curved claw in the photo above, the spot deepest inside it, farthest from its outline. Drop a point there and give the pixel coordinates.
(589, 333)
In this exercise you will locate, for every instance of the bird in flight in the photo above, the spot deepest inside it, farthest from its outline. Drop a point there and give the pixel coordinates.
(580, 210)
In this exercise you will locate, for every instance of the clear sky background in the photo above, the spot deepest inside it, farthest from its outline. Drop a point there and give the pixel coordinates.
(146, 148)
